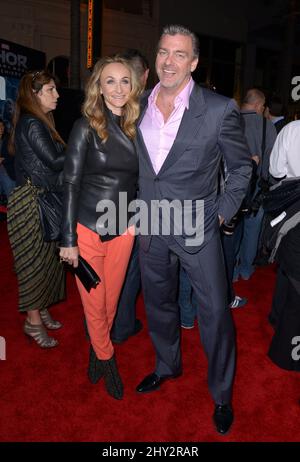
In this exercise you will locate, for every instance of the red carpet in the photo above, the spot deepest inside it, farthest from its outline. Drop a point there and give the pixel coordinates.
(45, 394)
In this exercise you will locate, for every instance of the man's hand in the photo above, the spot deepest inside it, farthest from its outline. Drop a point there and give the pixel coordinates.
(1, 160)
(69, 255)
(256, 159)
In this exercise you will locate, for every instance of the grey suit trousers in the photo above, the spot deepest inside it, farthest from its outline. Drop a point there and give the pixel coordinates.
(159, 269)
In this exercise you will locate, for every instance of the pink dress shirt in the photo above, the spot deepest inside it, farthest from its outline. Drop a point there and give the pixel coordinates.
(158, 135)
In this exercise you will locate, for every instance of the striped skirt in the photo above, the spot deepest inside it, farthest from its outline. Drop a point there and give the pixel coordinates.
(41, 278)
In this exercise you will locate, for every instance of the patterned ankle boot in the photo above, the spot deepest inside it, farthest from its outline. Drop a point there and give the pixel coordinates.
(112, 379)
(95, 369)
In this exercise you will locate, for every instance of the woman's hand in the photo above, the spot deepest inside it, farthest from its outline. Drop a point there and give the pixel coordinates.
(69, 255)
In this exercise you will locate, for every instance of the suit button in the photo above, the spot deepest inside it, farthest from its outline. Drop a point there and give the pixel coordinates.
(156, 179)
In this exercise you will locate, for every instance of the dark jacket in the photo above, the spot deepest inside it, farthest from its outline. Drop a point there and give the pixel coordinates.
(280, 124)
(37, 155)
(282, 197)
(210, 131)
(96, 171)
(252, 124)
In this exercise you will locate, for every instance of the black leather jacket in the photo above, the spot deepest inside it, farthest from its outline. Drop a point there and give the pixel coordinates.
(37, 155)
(95, 171)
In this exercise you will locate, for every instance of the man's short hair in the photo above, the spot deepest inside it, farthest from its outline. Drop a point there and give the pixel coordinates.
(132, 54)
(137, 60)
(174, 29)
(275, 106)
(253, 95)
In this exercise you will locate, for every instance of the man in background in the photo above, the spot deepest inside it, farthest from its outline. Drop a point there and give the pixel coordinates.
(260, 135)
(126, 324)
(274, 111)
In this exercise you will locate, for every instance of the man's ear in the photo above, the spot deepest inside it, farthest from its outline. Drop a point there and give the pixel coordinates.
(194, 64)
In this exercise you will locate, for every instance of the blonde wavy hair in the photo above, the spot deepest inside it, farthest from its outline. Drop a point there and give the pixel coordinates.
(94, 107)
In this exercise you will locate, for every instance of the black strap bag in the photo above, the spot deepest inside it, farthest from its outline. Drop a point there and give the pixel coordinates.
(50, 212)
(257, 185)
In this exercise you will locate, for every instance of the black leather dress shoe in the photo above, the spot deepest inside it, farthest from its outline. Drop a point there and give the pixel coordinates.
(152, 382)
(223, 418)
(138, 326)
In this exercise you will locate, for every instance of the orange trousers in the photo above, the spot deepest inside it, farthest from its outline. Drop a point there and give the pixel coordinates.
(109, 260)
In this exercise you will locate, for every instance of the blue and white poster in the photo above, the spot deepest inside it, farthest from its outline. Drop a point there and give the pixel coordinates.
(15, 61)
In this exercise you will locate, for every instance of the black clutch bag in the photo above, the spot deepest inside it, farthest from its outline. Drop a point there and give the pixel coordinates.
(87, 276)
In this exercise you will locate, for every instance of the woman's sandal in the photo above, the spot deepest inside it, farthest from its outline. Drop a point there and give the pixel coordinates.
(49, 322)
(38, 333)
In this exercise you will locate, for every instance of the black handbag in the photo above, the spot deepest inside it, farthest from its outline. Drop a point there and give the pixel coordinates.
(50, 213)
(86, 274)
(258, 185)
(281, 196)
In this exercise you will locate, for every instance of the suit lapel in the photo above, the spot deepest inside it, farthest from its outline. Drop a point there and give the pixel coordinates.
(140, 144)
(189, 127)
(141, 148)
(143, 105)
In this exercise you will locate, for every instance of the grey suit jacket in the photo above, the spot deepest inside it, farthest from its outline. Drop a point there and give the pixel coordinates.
(209, 131)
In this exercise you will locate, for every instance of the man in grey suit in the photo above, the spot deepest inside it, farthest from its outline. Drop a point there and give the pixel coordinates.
(184, 133)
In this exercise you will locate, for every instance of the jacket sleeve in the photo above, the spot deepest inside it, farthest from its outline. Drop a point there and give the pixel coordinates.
(271, 136)
(73, 169)
(278, 157)
(236, 154)
(43, 145)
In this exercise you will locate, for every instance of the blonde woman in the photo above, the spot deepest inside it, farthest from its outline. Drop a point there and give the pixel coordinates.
(101, 162)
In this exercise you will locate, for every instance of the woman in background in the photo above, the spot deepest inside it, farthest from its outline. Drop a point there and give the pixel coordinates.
(39, 160)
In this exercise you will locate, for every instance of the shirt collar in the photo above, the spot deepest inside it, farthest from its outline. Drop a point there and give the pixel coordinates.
(182, 98)
(274, 120)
